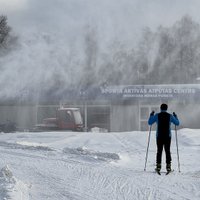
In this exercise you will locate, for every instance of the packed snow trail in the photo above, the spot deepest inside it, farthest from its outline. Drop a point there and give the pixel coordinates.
(96, 166)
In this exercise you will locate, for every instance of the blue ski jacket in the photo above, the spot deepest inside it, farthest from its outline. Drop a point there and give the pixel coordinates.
(158, 117)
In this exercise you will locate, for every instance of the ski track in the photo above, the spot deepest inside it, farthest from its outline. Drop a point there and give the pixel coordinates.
(56, 174)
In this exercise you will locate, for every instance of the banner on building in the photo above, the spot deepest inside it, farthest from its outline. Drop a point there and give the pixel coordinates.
(183, 91)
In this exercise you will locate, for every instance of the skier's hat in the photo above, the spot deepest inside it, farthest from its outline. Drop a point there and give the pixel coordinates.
(163, 106)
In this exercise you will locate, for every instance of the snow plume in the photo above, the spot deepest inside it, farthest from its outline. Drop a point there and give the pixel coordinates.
(74, 44)
(188, 113)
(36, 64)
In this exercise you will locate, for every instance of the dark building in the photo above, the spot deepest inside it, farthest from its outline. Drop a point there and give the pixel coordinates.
(111, 108)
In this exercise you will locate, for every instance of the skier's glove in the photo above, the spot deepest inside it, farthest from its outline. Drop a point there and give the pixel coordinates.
(152, 113)
(174, 114)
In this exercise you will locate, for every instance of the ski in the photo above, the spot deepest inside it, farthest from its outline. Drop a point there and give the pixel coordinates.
(158, 172)
(168, 172)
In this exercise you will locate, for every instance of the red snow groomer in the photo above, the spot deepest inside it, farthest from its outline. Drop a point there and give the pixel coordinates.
(66, 119)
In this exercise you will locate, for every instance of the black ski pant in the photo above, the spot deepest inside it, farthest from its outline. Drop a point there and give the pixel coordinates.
(163, 142)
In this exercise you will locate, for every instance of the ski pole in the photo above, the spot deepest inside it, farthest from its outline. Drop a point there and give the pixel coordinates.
(177, 149)
(147, 148)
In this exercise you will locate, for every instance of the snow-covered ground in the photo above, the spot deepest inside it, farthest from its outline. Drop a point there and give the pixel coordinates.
(95, 166)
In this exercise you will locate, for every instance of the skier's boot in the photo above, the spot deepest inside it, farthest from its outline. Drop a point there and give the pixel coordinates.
(168, 167)
(158, 168)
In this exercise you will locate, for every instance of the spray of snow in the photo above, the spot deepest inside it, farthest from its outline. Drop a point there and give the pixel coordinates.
(51, 37)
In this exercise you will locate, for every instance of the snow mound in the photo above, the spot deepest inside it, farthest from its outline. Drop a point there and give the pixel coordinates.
(82, 151)
(10, 187)
(196, 174)
(98, 130)
(191, 139)
(26, 146)
(34, 146)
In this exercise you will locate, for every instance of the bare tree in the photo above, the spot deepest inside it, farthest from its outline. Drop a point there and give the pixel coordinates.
(4, 30)
(177, 53)
(91, 54)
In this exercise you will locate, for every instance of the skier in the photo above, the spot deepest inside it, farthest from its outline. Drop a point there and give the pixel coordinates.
(163, 134)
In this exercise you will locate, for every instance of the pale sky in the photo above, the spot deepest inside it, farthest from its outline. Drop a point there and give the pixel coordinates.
(109, 16)
(12, 5)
